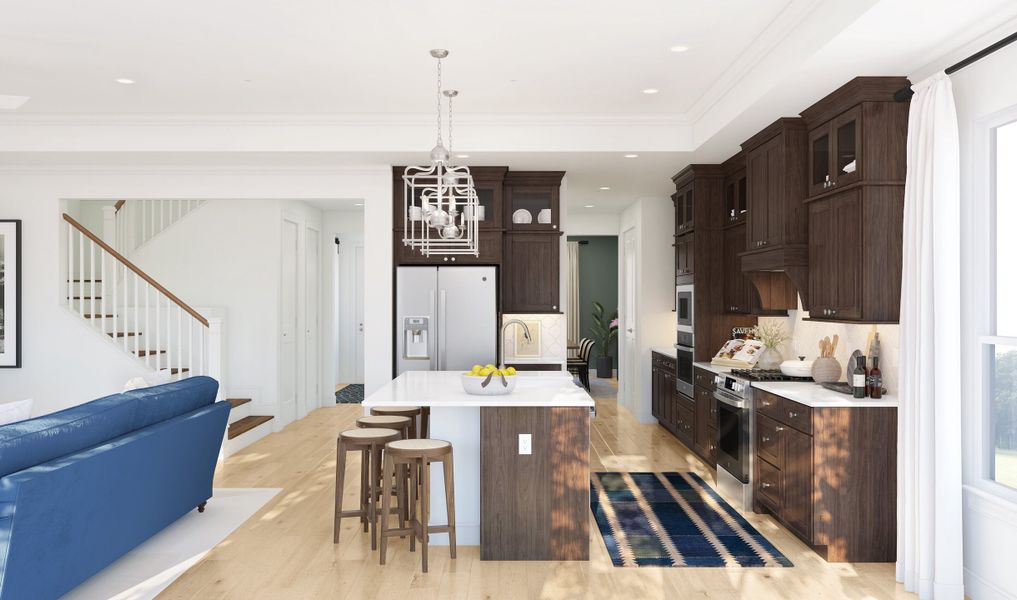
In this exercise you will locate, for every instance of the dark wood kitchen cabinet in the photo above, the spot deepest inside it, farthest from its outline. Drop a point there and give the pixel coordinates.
(531, 273)
(829, 475)
(739, 295)
(489, 245)
(857, 168)
(775, 162)
(685, 255)
(663, 391)
(528, 196)
(684, 209)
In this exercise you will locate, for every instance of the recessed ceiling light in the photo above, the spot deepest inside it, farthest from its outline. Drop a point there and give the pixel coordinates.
(605, 188)
(631, 156)
(462, 155)
(588, 206)
(358, 204)
(678, 49)
(650, 91)
(125, 81)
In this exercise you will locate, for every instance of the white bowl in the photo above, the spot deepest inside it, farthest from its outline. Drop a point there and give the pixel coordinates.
(474, 385)
(796, 368)
(544, 216)
(522, 216)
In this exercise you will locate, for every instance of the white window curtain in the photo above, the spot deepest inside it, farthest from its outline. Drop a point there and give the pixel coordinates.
(573, 294)
(929, 529)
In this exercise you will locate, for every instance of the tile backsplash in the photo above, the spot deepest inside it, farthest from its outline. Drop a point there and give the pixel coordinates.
(553, 336)
(805, 336)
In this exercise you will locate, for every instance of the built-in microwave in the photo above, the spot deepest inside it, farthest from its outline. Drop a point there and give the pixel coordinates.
(683, 301)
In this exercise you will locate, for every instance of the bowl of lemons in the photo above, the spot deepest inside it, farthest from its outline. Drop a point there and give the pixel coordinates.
(489, 380)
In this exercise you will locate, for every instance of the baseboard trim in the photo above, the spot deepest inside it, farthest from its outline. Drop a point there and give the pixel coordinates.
(978, 588)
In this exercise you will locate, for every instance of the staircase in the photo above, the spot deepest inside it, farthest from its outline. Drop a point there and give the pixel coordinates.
(136, 222)
(135, 313)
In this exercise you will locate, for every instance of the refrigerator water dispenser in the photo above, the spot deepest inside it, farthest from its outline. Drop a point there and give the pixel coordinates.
(415, 337)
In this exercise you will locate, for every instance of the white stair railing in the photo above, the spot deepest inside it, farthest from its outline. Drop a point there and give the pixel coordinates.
(141, 316)
(135, 222)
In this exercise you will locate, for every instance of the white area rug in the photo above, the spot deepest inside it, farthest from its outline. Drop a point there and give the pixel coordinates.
(149, 569)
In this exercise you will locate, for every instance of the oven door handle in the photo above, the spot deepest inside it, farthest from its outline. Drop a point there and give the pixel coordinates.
(726, 399)
(684, 348)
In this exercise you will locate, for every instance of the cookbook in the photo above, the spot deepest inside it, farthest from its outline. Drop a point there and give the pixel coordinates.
(739, 353)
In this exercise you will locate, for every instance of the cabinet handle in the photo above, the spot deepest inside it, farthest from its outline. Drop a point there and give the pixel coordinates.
(453, 259)
(554, 227)
(765, 485)
(765, 439)
(833, 311)
(554, 307)
(778, 428)
(446, 259)
(791, 414)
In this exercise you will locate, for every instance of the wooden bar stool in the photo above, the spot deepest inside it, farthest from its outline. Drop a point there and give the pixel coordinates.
(401, 424)
(417, 455)
(369, 442)
(400, 411)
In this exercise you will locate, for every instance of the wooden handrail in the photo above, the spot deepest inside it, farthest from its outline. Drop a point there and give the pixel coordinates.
(136, 270)
(119, 205)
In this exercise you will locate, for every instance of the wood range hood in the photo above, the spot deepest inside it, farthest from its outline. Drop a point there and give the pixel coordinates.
(779, 275)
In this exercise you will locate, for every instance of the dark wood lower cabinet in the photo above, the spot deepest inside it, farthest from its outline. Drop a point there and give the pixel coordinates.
(830, 476)
(692, 420)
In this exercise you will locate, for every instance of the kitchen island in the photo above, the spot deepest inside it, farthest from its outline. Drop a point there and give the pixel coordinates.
(515, 502)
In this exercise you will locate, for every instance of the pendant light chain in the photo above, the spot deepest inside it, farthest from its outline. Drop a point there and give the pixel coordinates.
(439, 102)
(450, 126)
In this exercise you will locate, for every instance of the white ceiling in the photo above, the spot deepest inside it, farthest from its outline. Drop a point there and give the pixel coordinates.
(545, 85)
(337, 56)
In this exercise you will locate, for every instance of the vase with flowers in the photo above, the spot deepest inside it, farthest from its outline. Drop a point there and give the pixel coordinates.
(772, 335)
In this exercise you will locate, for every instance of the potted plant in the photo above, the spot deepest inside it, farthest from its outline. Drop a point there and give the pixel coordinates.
(604, 332)
(772, 335)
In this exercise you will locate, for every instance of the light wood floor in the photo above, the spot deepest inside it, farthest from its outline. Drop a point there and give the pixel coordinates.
(285, 550)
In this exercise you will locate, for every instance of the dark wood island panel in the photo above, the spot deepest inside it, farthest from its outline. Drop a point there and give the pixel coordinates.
(536, 506)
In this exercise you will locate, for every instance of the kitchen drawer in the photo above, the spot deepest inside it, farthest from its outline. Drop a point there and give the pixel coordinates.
(770, 405)
(686, 403)
(768, 440)
(705, 378)
(768, 486)
(686, 424)
(797, 415)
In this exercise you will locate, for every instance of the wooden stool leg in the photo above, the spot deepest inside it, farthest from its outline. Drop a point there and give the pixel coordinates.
(425, 421)
(365, 468)
(412, 467)
(425, 506)
(450, 503)
(400, 484)
(373, 496)
(386, 500)
(340, 475)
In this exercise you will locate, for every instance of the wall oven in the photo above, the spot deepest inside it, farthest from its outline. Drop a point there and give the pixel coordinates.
(684, 356)
(683, 301)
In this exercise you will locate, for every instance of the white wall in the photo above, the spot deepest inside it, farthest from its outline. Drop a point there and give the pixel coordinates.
(66, 362)
(593, 224)
(653, 222)
(990, 519)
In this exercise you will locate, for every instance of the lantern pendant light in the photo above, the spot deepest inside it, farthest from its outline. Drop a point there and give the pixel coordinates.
(440, 204)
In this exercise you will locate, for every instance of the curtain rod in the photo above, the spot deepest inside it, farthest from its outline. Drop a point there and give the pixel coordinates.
(904, 94)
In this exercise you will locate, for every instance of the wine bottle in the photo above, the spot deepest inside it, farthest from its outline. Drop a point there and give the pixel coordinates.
(858, 378)
(875, 379)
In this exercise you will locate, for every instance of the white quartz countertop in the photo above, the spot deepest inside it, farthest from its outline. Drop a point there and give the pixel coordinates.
(719, 370)
(665, 350)
(443, 388)
(811, 394)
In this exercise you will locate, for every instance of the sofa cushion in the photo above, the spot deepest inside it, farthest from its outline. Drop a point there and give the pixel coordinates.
(35, 441)
(163, 402)
(28, 443)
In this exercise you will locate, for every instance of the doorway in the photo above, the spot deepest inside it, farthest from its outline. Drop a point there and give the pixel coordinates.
(628, 369)
(593, 307)
(346, 227)
(288, 317)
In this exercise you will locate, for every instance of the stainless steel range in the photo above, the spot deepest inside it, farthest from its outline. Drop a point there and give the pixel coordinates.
(736, 431)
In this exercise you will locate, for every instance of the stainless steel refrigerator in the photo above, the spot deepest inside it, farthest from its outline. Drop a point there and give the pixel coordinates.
(446, 318)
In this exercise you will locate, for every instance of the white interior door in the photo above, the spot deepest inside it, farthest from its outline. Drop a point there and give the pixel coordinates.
(312, 319)
(358, 267)
(628, 367)
(288, 345)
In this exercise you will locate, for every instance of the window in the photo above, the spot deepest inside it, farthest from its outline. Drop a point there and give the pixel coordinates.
(1001, 348)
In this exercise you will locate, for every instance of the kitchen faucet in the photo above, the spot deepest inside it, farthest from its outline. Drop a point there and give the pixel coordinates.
(526, 334)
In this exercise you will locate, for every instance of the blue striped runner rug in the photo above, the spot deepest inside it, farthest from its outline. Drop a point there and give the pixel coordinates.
(674, 520)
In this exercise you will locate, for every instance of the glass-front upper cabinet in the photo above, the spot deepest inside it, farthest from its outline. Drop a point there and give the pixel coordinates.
(532, 200)
(736, 197)
(834, 159)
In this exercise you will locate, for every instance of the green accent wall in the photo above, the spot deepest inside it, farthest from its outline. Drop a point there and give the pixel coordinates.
(598, 281)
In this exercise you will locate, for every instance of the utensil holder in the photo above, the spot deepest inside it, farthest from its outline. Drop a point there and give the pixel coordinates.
(826, 370)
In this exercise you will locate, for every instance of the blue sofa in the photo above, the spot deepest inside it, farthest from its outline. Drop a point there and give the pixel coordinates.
(81, 487)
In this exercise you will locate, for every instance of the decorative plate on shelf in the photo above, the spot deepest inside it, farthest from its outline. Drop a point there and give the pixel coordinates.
(522, 216)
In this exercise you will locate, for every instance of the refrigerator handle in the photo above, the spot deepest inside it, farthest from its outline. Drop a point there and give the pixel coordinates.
(441, 333)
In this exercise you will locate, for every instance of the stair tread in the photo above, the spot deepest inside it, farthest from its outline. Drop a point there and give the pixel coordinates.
(148, 352)
(236, 402)
(86, 280)
(246, 424)
(120, 334)
(176, 371)
(86, 298)
(97, 316)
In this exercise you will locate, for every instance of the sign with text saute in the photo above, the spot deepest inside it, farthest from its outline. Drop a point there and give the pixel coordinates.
(10, 293)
